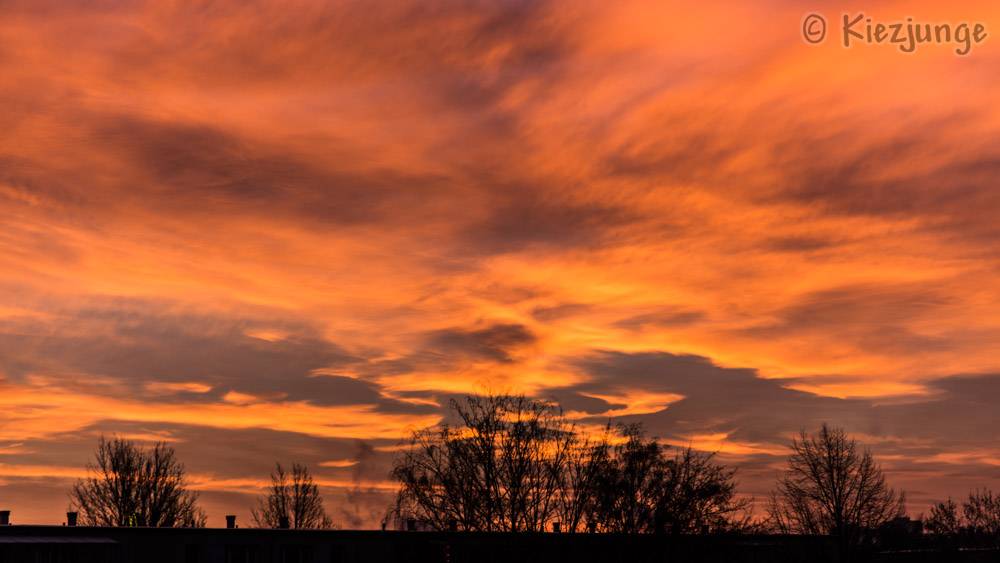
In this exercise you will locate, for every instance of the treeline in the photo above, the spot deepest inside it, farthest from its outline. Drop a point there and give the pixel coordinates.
(506, 463)
(512, 464)
(975, 521)
(132, 486)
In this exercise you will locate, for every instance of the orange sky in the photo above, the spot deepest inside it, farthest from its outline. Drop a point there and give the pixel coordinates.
(291, 230)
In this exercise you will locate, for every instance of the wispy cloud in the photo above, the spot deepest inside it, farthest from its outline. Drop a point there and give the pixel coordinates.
(280, 228)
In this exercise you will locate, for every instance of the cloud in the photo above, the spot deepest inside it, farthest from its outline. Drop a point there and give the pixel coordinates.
(525, 217)
(146, 350)
(879, 317)
(494, 343)
(735, 402)
(290, 226)
(931, 443)
(202, 169)
(667, 317)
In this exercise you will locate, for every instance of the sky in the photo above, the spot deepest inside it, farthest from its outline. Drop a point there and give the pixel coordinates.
(292, 231)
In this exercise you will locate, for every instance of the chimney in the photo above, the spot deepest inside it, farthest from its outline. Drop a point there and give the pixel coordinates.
(556, 527)
(592, 527)
(453, 525)
(4, 518)
(71, 518)
(411, 524)
(283, 522)
(230, 521)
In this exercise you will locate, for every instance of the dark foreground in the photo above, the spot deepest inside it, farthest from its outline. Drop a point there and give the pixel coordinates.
(60, 544)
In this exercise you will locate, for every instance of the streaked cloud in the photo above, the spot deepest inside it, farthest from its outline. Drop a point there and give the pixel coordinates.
(292, 231)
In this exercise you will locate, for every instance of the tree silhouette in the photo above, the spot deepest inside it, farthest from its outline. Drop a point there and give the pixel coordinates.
(500, 469)
(644, 489)
(830, 487)
(982, 513)
(975, 523)
(292, 500)
(944, 519)
(581, 480)
(128, 485)
(516, 464)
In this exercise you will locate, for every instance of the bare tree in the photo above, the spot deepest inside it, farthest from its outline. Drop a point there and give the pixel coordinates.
(830, 487)
(977, 524)
(643, 489)
(982, 513)
(516, 464)
(128, 485)
(293, 499)
(944, 519)
(630, 485)
(588, 462)
(500, 469)
(699, 494)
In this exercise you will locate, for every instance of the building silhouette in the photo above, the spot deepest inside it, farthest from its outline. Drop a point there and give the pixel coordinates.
(82, 544)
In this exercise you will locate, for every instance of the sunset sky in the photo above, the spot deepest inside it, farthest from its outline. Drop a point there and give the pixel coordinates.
(292, 231)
